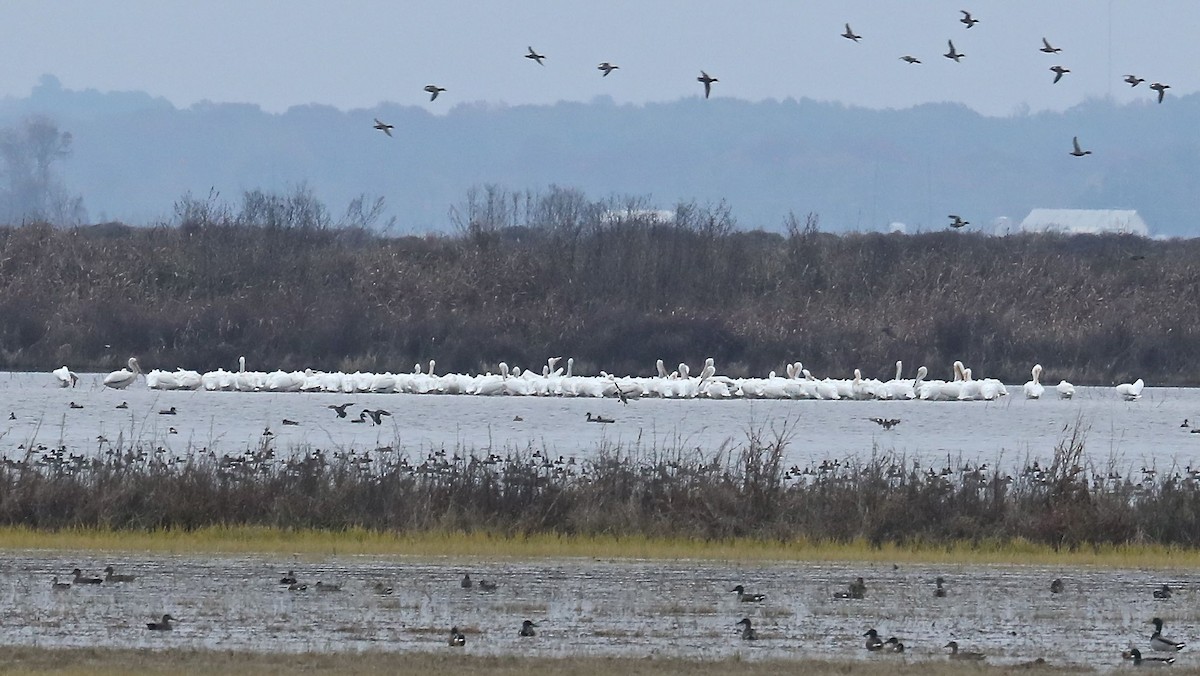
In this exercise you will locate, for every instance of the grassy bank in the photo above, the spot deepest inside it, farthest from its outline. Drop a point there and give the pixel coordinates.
(98, 661)
(459, 545)
(567, 277)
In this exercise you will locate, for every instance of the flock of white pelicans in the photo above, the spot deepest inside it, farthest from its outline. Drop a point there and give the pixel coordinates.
(553, 380)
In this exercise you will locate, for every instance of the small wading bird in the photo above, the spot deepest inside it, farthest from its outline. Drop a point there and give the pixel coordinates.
(607, 68)
(849, 34)
(885, 423)
(956, 654)
(748, 632)
(165, 625)
(535, 56)
(384, 127)
(956, 222)
(457, 638)
(598, 419)
(1047, 48)
(707, 80)
(527, 628)
(434, 90)
(1161, 89)
(967, 18)
(1134, 80)
(1058, 73)
(1078, 152)
(745, 597)
(910, 59)
(953, 53)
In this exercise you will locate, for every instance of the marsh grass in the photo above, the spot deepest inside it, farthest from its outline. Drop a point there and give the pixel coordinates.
(110, 661)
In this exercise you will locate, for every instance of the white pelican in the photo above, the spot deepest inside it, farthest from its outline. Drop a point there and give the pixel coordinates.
(1033, 388)
(119, 380)
(1131, 391)
(1065, 390)
(65, 376)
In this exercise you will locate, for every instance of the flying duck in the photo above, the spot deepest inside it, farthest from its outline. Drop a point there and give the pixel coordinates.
(607, 68)
(957, 222)
(1058, 73)
(967, 19)
(910, 59)
(384, 127)
(849, 34)
(1078, 152)
(953, 53)
(707, 80)
(1134, 80)
(535, 56)
(1047, 48)
(1161, 89)
(434, 90)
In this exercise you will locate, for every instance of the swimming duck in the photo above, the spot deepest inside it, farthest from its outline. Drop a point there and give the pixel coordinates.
(457, 638)
(296, 586)
(487, 586)
(940, 592)
(1161, 89)
(955, 654)
(874, 643)
(1163, 592)
(80, 579)
(74, 405)
(535, 56)
(165, 625)
(384, 127)
(1078, 152)
(123, 405)
(607, 68)
(953, 53)
(1047, 48)
(748, 632)
(1139, 661)
(967, 18)
(1134, 80)
(382, 589)
(328, 587)
(1059, 71)
(893, 645)
(59, 586)
(289, 422)
(745, 597)
(1184, 423)
(434, 90)
(111, 576)
(527, 628)
(849, 34)
(465, 583)
(1159, 642)
(707, 80)
(290, 578)
(1056, 587)
(168, 411)
(599, 419)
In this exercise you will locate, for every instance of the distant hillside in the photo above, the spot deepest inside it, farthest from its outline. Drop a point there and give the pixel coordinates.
(859, 169)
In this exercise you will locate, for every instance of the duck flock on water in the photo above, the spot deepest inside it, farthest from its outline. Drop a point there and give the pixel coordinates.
(555, 381)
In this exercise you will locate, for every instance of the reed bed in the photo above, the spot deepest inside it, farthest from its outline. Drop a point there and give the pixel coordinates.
(634, 499)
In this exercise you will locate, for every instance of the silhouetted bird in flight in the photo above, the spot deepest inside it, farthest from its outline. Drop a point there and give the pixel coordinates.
(377, 415)
(1134, 80)
(535, 56)
(957, 222)
(340, 409)
(910, 59)
(384, 127)
(434, 90)
(1161, 89)
(1047, 48)
(1058, 73)
(886, 423)
(967, 18)
(849, 34)
(1078, 152)
(607, 68)
(953, 53)
(707, 80)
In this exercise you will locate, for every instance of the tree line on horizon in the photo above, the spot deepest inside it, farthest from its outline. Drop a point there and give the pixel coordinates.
(611, 282)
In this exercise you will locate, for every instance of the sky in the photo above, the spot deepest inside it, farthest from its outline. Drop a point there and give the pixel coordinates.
(355, 54)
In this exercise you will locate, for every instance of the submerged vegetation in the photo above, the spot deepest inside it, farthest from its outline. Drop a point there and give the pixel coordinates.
(726, 494)
(610, 282)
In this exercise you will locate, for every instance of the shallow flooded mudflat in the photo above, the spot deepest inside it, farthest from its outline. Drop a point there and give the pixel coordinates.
(590, 608)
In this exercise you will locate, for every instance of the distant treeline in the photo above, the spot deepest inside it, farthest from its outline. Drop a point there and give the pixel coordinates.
(610, 283)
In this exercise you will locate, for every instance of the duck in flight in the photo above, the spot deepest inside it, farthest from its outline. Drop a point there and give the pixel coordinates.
(1047, 48)
(907, 58)
(1161, 89)
(967, 18)
(707, 80)
(886, 423)
(953, 53)
(377, 415)
(849, 34)
(607, 68)
(535, 56)
(1078, 152)
(434, 90)
(1134, 80)
(384, 127)
(956, 222)
(1059, 71)
(340, 409)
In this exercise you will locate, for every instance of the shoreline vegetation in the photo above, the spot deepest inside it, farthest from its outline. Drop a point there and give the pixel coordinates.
(612, 283)
(735, 502)
(27, 660)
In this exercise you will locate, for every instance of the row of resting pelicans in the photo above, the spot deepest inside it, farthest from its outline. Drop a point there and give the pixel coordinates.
(553, 380)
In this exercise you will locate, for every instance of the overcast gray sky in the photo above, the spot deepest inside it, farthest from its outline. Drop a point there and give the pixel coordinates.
(354, 54)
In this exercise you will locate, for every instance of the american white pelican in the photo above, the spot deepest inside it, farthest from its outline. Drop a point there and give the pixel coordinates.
(119, 380)
(1131, 391)
(65, 376)
(1034, 388)
(1065, 390)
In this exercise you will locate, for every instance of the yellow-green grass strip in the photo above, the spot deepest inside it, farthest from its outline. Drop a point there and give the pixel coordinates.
(317, 543)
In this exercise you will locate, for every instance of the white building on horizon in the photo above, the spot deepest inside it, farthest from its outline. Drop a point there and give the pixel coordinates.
(1085, 222)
